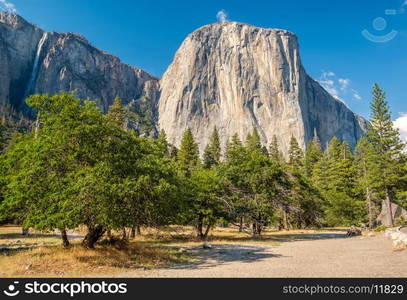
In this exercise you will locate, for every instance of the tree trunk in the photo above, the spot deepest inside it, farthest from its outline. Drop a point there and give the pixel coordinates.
(241, 224)
(205, 235)
(133, 232)
(388, 204)
(64, 236)
(93, 235)
(25, 231)
(285, 219)
(256, 229)
(199, 227)
(138, 229)
(370, 207)
(124, 233)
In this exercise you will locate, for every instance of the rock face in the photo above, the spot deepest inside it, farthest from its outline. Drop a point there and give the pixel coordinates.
(34, 61)
(235, 76)
(396, 213)
(239, 77)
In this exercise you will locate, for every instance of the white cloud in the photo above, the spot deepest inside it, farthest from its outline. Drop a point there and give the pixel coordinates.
(356, 95)
(344, 83)
(222, 16)
(7, 6)
(401, 124)
(338, 87)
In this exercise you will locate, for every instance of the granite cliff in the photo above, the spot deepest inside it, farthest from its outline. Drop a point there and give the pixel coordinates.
(232, 75)
(239, 77)
(34, 61)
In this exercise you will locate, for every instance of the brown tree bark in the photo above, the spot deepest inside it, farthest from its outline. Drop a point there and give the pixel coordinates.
(370, 206)
(205, 235)
(388, 202)
(241, 224)
(93, 235)
(64, 236)
(133, 232)
(199, 227)
(124, 233)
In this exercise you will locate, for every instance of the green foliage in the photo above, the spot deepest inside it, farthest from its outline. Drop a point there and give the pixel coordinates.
(206, 206)
(83, 168)
(313, 155)
(188, 154)
(212, 152)
(387, 146)
(274, 151)
(380, 228)
(295, 155)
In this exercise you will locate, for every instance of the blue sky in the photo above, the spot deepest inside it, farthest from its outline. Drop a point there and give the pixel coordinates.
(333, 50)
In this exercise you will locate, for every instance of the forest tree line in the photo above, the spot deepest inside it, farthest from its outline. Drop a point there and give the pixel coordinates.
(78, 166)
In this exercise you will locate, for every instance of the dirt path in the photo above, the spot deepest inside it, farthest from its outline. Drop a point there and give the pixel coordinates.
(322, 257)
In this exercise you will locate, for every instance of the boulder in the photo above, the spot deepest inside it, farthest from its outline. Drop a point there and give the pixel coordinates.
(396, 211)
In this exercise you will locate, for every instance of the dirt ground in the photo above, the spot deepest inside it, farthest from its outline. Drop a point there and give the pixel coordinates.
(174, 252)
(324, 255)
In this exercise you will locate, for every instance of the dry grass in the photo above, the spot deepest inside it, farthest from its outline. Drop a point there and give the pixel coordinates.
(156, 247)
(10, 235)
(55, 261)
(47, 258)
(184, 236)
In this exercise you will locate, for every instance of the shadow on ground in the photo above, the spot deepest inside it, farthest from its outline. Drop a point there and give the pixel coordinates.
(223, 254)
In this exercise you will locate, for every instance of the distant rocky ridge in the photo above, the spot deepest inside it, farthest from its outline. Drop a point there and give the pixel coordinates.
(34, 61)
(232, 75)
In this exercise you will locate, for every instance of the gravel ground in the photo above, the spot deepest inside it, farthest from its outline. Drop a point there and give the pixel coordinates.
(325, 256)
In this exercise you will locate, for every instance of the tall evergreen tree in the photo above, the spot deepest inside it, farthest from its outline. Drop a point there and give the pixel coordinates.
(274, 150)
(212, 152)
(117, 113)
(367, 174)
(312, 155)
(388, 146)
(188, 154)
(163, 143)
(253, 142)
(295, 155)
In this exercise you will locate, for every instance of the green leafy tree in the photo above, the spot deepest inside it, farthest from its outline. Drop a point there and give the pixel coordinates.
(206, 205)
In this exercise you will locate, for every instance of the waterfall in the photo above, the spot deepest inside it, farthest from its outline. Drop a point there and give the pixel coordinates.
(34, 72)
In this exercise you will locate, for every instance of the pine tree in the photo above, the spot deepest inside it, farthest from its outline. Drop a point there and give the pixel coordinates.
(163, 143)
(313, 154)
(212, 152)
(234, 148)
(388, 146)
(295, 155)
(274, 151)
(367, 174)
(253, 142)
(117, 113)
(188, 154)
